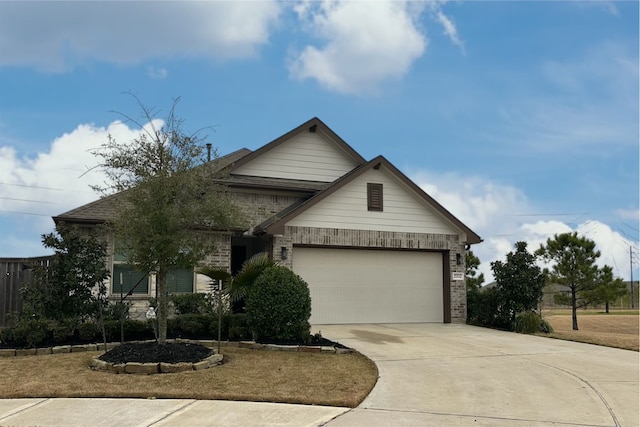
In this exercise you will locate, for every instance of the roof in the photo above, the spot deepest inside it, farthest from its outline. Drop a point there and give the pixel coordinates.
(276, 224)
(105, 208)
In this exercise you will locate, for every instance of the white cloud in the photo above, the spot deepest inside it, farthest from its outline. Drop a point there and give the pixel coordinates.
(36, 188)
(632, 214)
(365, 43)
(502, 215)
(157, 73)
(57, 36)
(448, 25)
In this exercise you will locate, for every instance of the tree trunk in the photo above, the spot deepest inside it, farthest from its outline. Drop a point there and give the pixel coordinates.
(574, 314)
(606, 306)
(161, 283)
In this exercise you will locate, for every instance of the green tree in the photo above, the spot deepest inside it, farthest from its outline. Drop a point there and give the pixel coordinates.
(519, 283)
(472, 263)
(168, 201)
(574, 266)
(72, 286)
(607, 288)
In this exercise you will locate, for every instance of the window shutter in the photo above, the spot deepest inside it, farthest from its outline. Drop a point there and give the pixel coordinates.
(374, 197)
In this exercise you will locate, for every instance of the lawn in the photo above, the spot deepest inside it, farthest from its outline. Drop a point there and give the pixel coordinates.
(617, 329)
(288, 377)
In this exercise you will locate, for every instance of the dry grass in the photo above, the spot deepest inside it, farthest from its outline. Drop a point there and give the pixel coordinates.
(620, 330)
(306, 378)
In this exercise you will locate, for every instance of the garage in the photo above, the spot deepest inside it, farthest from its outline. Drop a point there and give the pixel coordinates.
(371, 286)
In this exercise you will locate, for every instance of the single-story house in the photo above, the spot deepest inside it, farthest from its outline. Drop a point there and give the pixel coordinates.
(371, 244)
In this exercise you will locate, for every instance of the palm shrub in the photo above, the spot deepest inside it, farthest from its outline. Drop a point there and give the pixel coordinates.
(279, 306)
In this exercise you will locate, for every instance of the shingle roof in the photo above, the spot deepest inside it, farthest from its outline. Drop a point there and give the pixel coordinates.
(106, 207)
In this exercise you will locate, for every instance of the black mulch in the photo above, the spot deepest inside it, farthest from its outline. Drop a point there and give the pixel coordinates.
(315, 340)
(155, 353)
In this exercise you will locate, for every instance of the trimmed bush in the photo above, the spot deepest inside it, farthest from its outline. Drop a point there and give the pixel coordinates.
(530, 322)
(238, 327)
(279, 306)
(87, 331)
(191, 303)
(29, 332)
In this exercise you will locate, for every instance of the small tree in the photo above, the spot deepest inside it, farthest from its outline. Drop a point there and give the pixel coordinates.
(472, 263)
(168, 200)
(574, 266)
(607, 288)
(71, 287)
(519, 282)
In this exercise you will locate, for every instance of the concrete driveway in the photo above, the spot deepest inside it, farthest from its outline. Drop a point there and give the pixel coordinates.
(452, 375)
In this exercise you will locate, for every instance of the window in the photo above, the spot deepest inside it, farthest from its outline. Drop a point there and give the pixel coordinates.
(374, 197)
(125, 278)
(180, 281)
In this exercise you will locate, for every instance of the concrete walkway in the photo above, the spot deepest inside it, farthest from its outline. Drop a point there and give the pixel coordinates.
(430, 375)
(453, 375)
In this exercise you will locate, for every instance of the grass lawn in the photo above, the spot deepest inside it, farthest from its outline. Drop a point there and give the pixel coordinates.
(307, 378)
(617, 329)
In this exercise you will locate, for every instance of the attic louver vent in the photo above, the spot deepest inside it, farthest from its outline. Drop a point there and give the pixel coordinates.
(374, 197)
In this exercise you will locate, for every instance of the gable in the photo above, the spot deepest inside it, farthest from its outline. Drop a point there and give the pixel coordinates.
(348, 208)
(307, 156)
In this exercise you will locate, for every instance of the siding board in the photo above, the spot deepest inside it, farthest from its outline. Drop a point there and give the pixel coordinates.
(308, 156)
(347, 209)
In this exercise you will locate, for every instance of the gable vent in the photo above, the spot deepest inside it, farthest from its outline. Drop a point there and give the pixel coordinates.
(374, 197)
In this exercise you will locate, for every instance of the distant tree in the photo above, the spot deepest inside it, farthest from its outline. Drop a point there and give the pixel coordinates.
(472, 263)
(607, 288)
(168, 199)
(519, 283)
(574, 266)
(71, 287)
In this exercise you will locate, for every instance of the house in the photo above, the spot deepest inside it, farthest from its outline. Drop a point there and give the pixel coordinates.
(372, 245)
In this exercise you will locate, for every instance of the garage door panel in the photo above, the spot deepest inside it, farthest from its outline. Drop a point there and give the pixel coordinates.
(371, 286)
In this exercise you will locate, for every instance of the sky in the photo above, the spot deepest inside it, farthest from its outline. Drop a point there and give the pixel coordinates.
(520, 117)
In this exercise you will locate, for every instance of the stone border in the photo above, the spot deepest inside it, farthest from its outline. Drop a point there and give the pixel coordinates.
(154, 368)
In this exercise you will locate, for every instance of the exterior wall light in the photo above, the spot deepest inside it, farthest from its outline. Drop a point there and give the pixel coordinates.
(458, 259)
(284, 252)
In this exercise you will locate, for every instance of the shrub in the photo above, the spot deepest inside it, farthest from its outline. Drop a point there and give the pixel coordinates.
(87, 331)
(193, 326)
(238, 327)
(62, 333)
(279, 306)
(530, 322)
(191, 303)
(29, 332)
(133, 330)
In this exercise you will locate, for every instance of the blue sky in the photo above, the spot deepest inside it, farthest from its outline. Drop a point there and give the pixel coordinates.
(521, 118)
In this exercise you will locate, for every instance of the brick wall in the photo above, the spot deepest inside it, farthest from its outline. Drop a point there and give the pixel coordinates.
(446, 244)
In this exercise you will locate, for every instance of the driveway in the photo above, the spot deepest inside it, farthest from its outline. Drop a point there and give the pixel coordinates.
(452, 375)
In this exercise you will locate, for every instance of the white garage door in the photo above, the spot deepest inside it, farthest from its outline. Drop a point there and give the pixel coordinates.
(371, 286)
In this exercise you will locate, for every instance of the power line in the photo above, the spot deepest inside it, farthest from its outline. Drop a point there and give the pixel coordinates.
(44, 188)
(24, 213)
(27, 200)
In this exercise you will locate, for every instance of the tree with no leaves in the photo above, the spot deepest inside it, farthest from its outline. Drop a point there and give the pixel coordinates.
(574, 266)
(167, 201)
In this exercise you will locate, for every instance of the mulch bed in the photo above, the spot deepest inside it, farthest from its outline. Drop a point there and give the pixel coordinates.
(155, 353)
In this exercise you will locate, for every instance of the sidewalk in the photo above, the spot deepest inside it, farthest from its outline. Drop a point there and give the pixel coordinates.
(159, 412)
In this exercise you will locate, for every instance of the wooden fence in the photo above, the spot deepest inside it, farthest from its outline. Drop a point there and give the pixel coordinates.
(14, 274)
